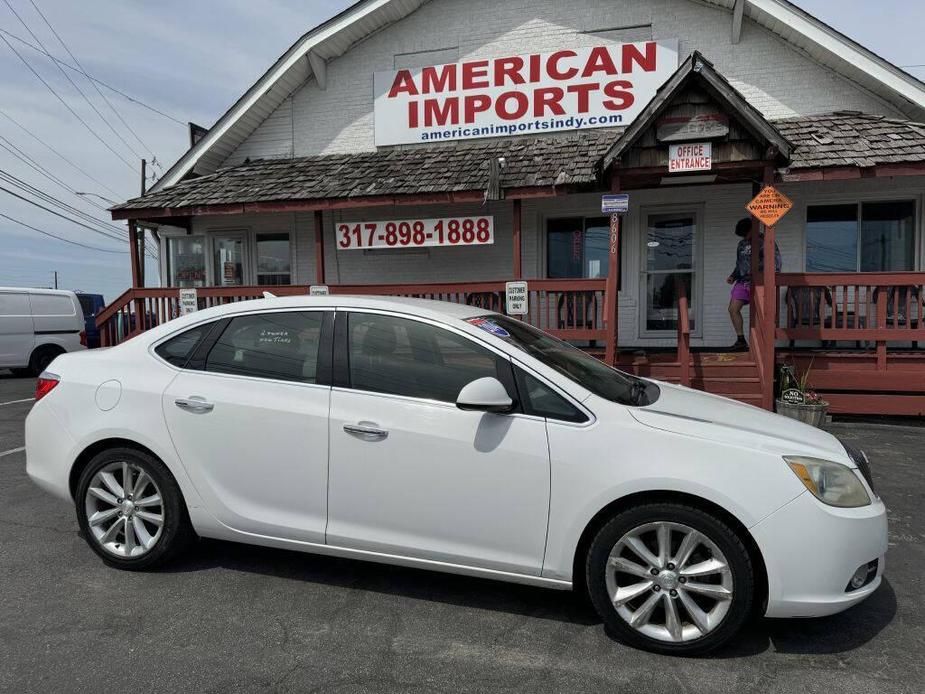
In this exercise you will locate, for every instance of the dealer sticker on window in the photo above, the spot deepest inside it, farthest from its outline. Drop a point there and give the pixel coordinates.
(489, 327)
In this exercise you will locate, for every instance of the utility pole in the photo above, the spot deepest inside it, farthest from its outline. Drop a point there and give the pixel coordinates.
(56, 279)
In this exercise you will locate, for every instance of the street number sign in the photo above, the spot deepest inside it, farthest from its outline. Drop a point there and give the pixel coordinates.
(769, 206)
(615, 204)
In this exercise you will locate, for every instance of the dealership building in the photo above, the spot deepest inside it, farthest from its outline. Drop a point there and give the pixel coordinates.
(447, 148)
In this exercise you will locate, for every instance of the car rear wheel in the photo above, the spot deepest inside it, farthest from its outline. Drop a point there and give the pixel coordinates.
(130, 510)
(670, 578)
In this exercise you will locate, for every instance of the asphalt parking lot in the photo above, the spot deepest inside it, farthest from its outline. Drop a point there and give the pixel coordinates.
(231, 618)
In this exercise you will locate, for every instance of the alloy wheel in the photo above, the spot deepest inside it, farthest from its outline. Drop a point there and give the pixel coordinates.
(124, 509)
(669, 582)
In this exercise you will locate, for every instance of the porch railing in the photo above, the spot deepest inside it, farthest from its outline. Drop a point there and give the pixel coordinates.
(571, 309)
(870, 309)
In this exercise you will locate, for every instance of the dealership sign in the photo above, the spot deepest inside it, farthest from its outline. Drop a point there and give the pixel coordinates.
(416, 233)
(569, 89)
(690, 156)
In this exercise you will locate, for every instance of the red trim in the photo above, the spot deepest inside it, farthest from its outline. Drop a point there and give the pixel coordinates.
(516, 226)
(319, 246)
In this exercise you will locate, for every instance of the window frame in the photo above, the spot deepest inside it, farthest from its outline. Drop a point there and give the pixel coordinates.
(584, 217)
(206, 259)
(197, 359)
(292, 259)
(858, 200)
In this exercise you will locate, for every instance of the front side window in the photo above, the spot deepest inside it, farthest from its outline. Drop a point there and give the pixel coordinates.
(274, 262)
(399, 356)
(186, 261)
(861, 237)
(280, 346)
(542, 401)
(577, 247)
(576, 365)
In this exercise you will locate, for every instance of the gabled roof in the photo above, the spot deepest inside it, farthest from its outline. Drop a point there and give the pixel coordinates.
(698, 68)
(339, 34)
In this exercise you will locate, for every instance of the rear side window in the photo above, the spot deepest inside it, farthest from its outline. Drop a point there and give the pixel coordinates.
(399, 356)
(177, 350)
(281, 346)
(541, 400)
(52, 305)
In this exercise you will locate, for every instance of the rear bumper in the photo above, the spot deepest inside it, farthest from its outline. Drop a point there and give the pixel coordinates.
(49, 447)
(811, 551)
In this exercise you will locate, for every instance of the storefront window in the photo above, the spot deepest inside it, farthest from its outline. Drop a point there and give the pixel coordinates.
(577, 247)
(274, 261)
(186, 261)
(865, 237)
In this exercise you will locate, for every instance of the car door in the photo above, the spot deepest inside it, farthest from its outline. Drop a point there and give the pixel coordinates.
(17, 333)
(248, 415)
(413, 475)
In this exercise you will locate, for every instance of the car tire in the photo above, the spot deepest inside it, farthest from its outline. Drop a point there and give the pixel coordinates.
(652, 604)
(41, 358)
(152, 532)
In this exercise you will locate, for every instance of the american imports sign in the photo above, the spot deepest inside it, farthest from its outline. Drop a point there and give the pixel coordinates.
(570, 89)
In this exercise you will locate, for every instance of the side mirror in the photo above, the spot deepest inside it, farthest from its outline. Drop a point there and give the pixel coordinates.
(485, 395)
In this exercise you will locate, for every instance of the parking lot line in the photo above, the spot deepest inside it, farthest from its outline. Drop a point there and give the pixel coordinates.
(14, 402)
(12, 451)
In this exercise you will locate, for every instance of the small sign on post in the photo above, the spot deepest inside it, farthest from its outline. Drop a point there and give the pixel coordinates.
(318, 290)
(516, 298)
(189, 301)
(769, 206)
(615, 204)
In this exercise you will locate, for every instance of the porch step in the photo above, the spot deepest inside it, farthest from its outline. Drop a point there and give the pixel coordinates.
(728, 386)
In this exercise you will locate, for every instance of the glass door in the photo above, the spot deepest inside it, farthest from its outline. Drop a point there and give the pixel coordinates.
(229, 261)
(669, 269)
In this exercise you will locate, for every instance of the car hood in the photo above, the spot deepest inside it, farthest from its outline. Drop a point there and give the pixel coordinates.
(695, 413)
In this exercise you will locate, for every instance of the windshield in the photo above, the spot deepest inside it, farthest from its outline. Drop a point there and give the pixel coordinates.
(571, 362)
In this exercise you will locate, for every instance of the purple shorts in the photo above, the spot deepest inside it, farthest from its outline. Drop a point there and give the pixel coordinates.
(742, 291)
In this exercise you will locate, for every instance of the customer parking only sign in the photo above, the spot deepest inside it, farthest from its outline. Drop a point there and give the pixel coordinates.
(568, 89)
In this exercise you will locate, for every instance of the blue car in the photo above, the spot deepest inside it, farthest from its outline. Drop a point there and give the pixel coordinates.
(91, 304)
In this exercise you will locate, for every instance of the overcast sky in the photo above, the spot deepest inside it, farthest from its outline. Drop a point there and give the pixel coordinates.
(189, 60)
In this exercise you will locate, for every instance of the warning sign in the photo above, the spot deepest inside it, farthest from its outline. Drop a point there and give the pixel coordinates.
(769, 206)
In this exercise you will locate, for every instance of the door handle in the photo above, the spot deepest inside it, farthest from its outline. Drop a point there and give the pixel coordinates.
(194, 404)
(367, 431)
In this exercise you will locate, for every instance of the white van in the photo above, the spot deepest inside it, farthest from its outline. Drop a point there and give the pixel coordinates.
(36, 325)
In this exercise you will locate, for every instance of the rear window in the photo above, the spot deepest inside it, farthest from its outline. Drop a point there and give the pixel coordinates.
(86, 304)
(52, 305)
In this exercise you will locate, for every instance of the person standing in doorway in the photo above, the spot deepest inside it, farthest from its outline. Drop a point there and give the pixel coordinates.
(741, 279)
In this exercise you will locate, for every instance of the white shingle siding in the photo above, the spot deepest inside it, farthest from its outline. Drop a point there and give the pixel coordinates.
(777, 78)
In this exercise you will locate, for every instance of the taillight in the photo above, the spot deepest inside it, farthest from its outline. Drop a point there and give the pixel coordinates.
(45, 384)
(83, 338)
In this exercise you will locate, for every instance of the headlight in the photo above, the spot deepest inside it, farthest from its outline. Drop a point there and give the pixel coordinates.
(832, 483)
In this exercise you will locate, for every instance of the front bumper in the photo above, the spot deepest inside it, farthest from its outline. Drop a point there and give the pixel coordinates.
(811, 551)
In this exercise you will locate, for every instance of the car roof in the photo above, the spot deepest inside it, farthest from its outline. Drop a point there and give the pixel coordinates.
(34, 290)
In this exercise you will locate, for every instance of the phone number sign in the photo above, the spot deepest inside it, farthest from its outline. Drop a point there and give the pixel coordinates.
(416, 233)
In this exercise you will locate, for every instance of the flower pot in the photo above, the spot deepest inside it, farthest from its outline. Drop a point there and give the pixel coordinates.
(814, 415)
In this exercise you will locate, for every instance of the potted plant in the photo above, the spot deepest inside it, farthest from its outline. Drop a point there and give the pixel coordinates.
(797, 398)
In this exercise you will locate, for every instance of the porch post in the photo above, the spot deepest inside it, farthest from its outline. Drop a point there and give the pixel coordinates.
(133, 251)
(611, 288)
(319, 247)
(770, 305)
(518, 267)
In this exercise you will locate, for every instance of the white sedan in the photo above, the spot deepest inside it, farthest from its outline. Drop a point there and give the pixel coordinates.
(445, 437)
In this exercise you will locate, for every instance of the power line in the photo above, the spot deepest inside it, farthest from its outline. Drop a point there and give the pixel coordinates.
(59, 238)
(29, 161)
(73, 83)
(55, 152)
(38, 192)
(57, 214)
(65, 104)
(94, 79)
(85, 74)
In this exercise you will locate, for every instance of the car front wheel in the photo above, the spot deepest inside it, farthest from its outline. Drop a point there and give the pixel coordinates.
(130, 509)
(670, 578)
